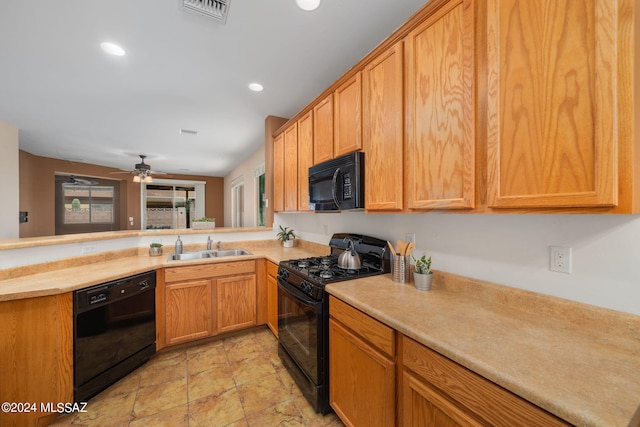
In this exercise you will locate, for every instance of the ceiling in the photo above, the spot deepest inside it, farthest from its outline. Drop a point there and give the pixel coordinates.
(70, 100)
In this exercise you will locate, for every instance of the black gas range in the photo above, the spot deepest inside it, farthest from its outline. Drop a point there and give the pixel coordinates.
(303, 310)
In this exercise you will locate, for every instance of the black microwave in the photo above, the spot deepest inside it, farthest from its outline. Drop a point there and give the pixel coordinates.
(337, 184)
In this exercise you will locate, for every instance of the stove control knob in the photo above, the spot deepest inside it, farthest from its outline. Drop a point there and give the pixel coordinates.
(283, 273)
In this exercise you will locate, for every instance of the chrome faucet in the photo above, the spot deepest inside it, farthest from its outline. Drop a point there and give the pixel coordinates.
(218, 245)
(208, 243)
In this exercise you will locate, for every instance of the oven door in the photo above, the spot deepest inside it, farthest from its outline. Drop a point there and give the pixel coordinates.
(300, 330)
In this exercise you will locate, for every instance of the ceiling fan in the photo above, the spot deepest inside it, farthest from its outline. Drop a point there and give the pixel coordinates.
(142, 171)
(74, 180)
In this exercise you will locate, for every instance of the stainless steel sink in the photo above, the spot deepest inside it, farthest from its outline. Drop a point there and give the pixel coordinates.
(231, 252)
(188, 256)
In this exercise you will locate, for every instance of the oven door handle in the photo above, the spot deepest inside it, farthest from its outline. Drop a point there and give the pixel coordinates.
(295, 293)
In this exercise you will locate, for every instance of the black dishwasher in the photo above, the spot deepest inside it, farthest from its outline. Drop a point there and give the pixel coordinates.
(114, 331)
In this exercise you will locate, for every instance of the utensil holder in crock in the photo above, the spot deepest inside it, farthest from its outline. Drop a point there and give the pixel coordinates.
(400, 268)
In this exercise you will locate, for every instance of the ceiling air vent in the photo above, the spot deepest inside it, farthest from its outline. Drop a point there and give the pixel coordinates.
(216, 9)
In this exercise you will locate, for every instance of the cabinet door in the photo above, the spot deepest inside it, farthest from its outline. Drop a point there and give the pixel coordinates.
(440, 165)
(272, 298)
(423, 406)
(291, 168)
(348, 115)
(362, 380)
(305, 159)
(551, 135)
(383, 130)
(323, 130)
(278, 173)
(36, 360)
(236, 302)
(188, 311)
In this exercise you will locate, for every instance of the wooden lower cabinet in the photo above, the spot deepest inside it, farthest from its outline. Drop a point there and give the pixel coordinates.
(236, 302)
(36, 356)
(438, 392)
(361, 375)
(188, 311)
(272, 297)
(207, 299)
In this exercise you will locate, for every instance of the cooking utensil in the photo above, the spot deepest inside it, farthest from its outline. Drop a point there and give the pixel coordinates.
(393, 250)
(402, 245)
(410, 247)
(349, 259)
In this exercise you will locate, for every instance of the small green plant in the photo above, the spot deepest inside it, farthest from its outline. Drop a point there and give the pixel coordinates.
(422, 265)
(204, 219)
(285, 234)
(155, 245)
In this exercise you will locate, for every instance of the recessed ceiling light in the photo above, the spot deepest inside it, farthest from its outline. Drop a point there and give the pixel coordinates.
(256, 87)
(112, 49)
(308, 5)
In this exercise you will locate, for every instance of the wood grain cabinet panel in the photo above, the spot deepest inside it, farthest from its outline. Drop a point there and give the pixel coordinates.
(348, 116)
(236, 302)
(440, 150)
(188, 311)
(383, 130)
(361, 378)
(305, 158)
(272, 297)
(278, 173)
(36, 356)
(552, 136)
(291, 168)
(323, 130)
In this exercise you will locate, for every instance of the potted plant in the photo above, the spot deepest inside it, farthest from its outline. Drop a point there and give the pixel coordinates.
(286, 235)
(155, 249)
(422, 273)
(203, 223)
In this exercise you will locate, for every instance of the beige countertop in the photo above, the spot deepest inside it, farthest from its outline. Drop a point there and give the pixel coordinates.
(81, 272)
(579, 362)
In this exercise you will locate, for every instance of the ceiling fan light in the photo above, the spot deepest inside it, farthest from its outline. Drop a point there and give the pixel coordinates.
(136, 178)
(308, 5)
(147, 179)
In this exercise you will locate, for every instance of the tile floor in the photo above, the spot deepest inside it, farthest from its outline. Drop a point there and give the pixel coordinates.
(234, 381)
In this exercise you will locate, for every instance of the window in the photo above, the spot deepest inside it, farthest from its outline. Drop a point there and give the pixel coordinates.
(260, 193)
(169, 206)
(237, 202)
(86, 204)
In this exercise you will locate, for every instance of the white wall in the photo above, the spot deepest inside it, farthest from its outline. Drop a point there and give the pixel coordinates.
(9, 173)
(246, 169)
(510, 249)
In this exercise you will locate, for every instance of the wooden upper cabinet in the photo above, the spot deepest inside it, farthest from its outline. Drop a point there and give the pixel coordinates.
(348, 116)
(552, 136)
(278, 173)
(291, 168)
(305, 158)
(440, 159)
(383, 130)
(323, 130)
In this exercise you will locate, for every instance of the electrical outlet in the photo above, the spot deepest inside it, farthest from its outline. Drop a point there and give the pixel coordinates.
(88, 249)
(410, 237)
(560, 259)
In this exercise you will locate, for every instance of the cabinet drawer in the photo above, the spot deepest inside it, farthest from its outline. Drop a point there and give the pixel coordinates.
(272, 269)
(376, 333)
(201, 271)
(491, 402)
